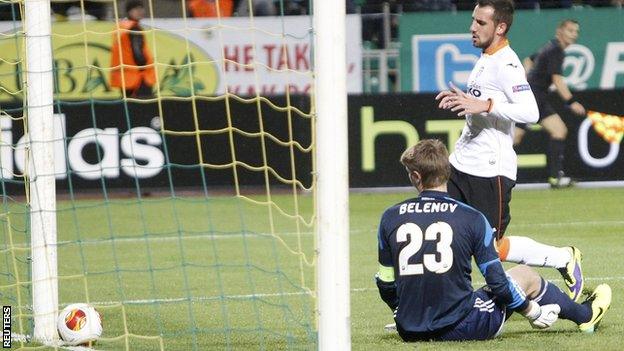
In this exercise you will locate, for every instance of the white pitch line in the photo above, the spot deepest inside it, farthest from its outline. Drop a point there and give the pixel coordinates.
(196, 299)
(20, 337)
(27, 338)
(208, 236)
(567, 224)
(75, 348)
(157, 238)
(481, 283)
(251, 296)
(521, 186)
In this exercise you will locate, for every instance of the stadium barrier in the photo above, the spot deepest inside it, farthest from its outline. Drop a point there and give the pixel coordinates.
(103, 147)
(97, 145)
(381, 127)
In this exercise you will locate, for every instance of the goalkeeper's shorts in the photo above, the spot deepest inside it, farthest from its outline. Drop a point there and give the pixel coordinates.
(484, 321)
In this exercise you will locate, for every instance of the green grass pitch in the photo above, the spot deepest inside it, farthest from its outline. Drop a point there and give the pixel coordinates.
(219, 273)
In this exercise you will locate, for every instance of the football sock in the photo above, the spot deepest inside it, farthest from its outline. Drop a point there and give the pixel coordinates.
(520, 249)
(570, 310)
(554, 157)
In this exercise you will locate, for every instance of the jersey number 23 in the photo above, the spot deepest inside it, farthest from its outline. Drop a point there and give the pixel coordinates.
(440, 232)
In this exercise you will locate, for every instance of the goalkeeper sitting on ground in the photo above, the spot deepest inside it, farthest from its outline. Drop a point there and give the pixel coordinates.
(425, 249)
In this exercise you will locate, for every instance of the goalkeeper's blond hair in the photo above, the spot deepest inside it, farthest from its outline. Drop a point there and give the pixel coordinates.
(430, 159)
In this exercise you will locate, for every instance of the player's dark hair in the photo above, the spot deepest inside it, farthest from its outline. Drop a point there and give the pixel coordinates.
(503, 11)
(132, 4)
(430, 159)
(566, 21)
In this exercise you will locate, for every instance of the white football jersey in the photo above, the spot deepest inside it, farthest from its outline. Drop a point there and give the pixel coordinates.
(485, 148)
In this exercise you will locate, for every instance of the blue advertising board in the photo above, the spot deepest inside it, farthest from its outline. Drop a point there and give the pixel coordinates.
(438, 59)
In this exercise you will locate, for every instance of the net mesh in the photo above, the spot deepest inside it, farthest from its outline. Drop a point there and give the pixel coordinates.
(185, 216)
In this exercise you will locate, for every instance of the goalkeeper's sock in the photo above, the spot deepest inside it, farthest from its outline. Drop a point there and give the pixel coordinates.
(523, 250)
(570, 310)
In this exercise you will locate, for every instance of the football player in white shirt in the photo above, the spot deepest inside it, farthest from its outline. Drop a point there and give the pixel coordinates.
(484, 163)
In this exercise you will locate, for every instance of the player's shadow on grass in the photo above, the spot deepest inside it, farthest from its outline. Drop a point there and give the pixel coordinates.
(521, 334)
(391, 337)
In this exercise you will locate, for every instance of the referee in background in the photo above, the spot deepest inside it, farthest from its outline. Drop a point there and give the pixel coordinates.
(544, 69)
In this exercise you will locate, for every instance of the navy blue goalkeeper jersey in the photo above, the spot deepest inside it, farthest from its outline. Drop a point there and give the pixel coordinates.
(430, 241)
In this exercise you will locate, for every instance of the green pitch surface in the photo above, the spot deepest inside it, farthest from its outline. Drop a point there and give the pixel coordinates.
(216, 273)
(192, 273)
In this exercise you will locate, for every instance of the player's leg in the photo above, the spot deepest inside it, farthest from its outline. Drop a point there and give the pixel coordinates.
(525, 250)
(527, 279)
(558, 132)
(487, 317)
(544, 293)
(456, 184)
(144, 90)
(587, 314)
(519, 133)
(600, 301)
(484, 321)
(567, 260)
(492, 196)
(555, 127)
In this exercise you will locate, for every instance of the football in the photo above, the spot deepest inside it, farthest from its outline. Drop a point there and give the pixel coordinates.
(79, 324)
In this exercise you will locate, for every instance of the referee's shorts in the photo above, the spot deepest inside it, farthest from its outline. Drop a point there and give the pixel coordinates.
(491, 196)
(544, 105)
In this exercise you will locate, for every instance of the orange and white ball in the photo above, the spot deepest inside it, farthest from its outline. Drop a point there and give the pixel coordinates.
(79, 324)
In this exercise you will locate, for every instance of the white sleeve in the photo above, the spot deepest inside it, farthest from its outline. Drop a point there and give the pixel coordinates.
(520, 106)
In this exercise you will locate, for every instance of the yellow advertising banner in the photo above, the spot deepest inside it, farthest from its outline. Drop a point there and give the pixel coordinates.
(266, 56)
(82, 56)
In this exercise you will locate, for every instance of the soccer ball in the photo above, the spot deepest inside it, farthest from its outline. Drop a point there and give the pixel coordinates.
(79, 324)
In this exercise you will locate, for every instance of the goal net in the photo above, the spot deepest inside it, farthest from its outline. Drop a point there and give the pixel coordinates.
(185, 210)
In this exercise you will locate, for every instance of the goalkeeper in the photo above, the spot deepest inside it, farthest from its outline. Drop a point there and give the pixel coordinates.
(425, 249)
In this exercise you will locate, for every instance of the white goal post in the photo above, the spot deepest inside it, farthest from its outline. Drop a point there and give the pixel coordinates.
(41, 168)
(332, 162)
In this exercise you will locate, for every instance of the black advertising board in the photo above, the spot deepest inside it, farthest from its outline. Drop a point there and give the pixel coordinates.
(381, 126)
(116, 145)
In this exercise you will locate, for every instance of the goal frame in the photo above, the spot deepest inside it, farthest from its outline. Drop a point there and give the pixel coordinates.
(40, 170)
(331, 157)
(332, 177)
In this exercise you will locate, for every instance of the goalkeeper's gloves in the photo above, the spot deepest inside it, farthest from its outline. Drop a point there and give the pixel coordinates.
(542, 317)
(387, 291)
